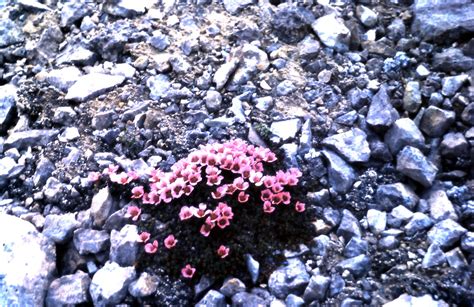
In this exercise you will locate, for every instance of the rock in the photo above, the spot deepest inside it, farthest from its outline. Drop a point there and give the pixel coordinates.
(308, 48)
(292, 23)
(264, 103)
(89, 241)
(212, 298)
(381, 112)
(232, 286)
(54, 190)
(402, 133)
(289, 278)
(24, 139)
(69, 290)
(388, 242)
(452, 59)
(110, 283)
(224, 72)
(294, 301)
(341, 175)
(77, 55)
(358, 266)
(213, 100)
(159, 41)
(7, 106)
(434, 256)
(317, 288)
(332, 32)
(234, 6)
(145, 285)
(59, 228)
(412, 97)
(435, 20)
(253, 266)
(331, 216)
(377, 220)
(64, 78)
(468, 114)
(44, 169)
(454, 145)
(446, 233)
(285, 88)
(356, 247)
(349, 226)
(422, 72)
(418, 222)
(435, 121)
(286, 129)
(467, 242)
(401, 213)
(74, 11)
(64, 116)
(124, 246)
(440, 206)
(102, 207)
(244, 299)
(406, 300)
(351, 145)
(456, 258)
(10, 33)
(92, 85)
(412, 163)
(28, 263)
(8, 169)
(366, 16)
(159, 86)
(389, 196)
(127, 9)
(452, 84)
(103, 120)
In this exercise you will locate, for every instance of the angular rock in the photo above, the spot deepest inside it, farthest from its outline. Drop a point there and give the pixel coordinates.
(7, 105)
(253, 266)
(234, 6)
(402, 133)
(358, 266)
(467, 242)
(90, 241)
(73, 11)
(366, 16)
(224, 72)
(435, 121)
(377, 220)
(332, 32)
(418, 222)
(7, 170)
(294, 301)
(351, 145)
(28, 263)
(401, 213)
(145, 285)
(452, 59)
(406, 300)
(92, 85)
(128, 9)
(124, 246)
(159, 86)
(286, 129)
(440, 206)
(412, 97)
(102, 207)
(356, 247)
(69, 290)
(452, 84)
(454, 145)
(289, 278)
(468, 114)
(110, 283)
(64, 116)
(24, 139)
(212, 298)
(285, 88)
(381, 112)
(59, 228)
(292, 23)
(54, 190)
(349, 226)
(456, 258)
(232, 286)
(308, 48)
(317, 288)
(213, 100)
(434, 256)
(446, 233)
(244, 299)
(10, 33)
(63, 78)
(77, 55)
(341, 174)
(389, 196)
(412, 163)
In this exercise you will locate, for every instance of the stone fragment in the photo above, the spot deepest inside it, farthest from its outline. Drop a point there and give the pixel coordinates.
(69, 290)
(124, 246)
(212, 298)
(366, 16)
(452, 59)
(341, 174)
(381, 112)
(332, 32)
(435, 121)
(358, 266)
(286, 129)
(440, 206)
(110, 283)
(402, 133)
(377, 220)
(389, 196)
(10, 33)
(90, 241)
(406, 300)
(349, 226)
(412, 97)
(235, 6)
(452, 84)
(224, 72)
(352, 145)
(317, 288)
(127, 8)
(454, 145)
(232, 286)
(64, 116)
(468, 114)
(412, 163)
(73, 11)
(289, 278)
(63, 78)
(356, 247)
(102, 207)
(59, 228)
(446, 233)
(24, 139)
(434, 256)
(92, 85)
(145, 285)
(8, 96)
(418, 222)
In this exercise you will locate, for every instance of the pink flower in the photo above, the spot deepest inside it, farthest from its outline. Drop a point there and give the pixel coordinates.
(214, 180)
(121, 178)
(267, 207)
(223, 251)
(231, 189)
(133, 212)
(220, 192)
(188, 189)
(188, 271)
(177, 188)
(277, 187)
(93, 176)
(258, 167)
(299, 206)
(245, 171)
(111, 169)
(194, 157)
(268, 181)
(225, 211)
(166, 195)
(223, 222)
(151, 248)
(201, 211)
(285, 198)
(276, 199)
(143, 237)
(212, 170)
(266, 195)
(185, 213)
(206, 229)
(194, 178)
(240, 184)
(137, 192)
(295, 172)
(242, 197)
(211, 159)
(132, 175)
(170, 242)
(270, 157)
(256, 178)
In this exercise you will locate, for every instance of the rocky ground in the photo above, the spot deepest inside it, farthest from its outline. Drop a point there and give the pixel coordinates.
(372, 100)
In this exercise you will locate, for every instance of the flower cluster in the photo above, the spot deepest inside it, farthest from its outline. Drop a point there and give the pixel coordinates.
(233, 173)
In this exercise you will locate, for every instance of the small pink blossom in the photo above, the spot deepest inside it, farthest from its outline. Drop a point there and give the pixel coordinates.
(268, 181)
(166, 195)
(151, 248)
(285, 197)
(194, 178)
(266, 195)
(220, 192)
(133, 212)
(267, 207)
(143, 237)
(300, 207)
(242, 197)
(185, 213)
(170, 242)
(132, 175)
(277, 187)
(111, 169)
(93, 176)
(201, 211)
(256, 178)
(240, 184)
(295, 172)
(223, 222)
(206, 229)
(258, 167)
(121, 178)
(137, 192)
(276, 199)
(188, 271)
(223, 251)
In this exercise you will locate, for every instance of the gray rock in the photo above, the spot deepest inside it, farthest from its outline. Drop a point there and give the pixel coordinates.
(381, 112)
(412, 163)
(7, 106)
(294, 301)
(28, 263)
(388, 242)
(224, 72)
(289, 278)
(69, 290)
(103, 120)
(286, 129)
(212, 298)
(7, 170)
(159, 85)
(456, 258)
(77, 55)
(33, 5)
(422, 72)
(446, 233)
(320, 245)
(452, 59)
(468, 114)
(440, 206)
(285, 88)
(454, 145)
(419, 222)
(366, 16)
(244, 299)
(59, 228)
(356, 247)
(434, 256)
(145, 285)
(290, 152)
(24, 139)
(92, 85)
(213, 100)
(452, 84)
(401, 213)
(341, 174)
(102, 207)
(435, 121)
(234, 6)
(159, 41)
(349, 226)
(264, 103)
(317, 288)
(331, 216)
(10, 33)
(54, 190)
(332, 32)
(308, 47)
(351, 145)
(337, 285)
(73, 11)
(389, 196)
(205, 282)
(436, 19)
(127, 9)
(110, 283)
(402, 133)
(406, 300)
(412, 97)
(253, 266)
(64, 116)
(124, 246)
(232, 286)
(358, 266)
(377, 220)
(90, 241)
(467, 242)
(63, 78)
